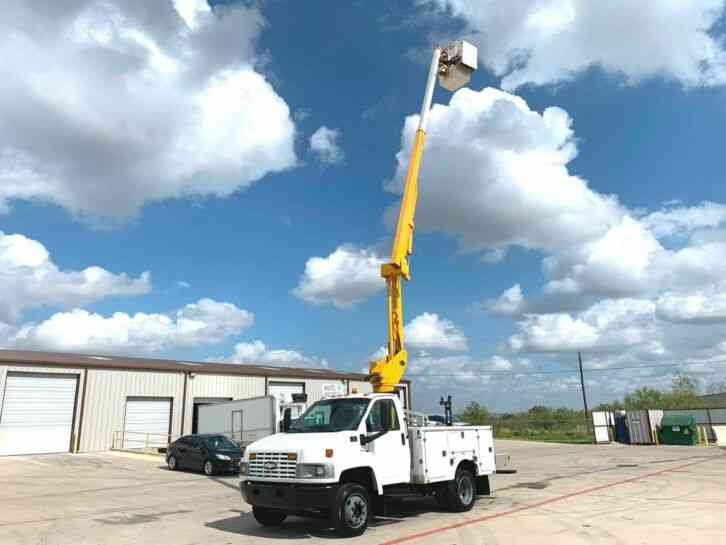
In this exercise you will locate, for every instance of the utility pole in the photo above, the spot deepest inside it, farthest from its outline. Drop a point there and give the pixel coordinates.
(584, 394)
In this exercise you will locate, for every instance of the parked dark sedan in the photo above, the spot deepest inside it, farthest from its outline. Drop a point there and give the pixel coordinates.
(210, 453)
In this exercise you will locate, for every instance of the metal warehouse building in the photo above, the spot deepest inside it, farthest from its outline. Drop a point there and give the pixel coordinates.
(51, 402)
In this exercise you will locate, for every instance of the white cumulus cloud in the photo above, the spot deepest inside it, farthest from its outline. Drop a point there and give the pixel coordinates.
(509, 167)
(324, 143)
(30, 279)
(346, 277)
(544, 42)
(257, 353)
(615, 326)
(509, 303)
(487, 148)
(111, 104)
(553, 332)
(201, 323)
(429, 331)
(695, 307)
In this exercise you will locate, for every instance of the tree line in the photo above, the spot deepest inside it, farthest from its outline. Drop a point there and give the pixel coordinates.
(571, 425)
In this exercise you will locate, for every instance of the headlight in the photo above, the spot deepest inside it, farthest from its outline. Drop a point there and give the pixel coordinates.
(315, 471)
(223, 457)
(243, 468)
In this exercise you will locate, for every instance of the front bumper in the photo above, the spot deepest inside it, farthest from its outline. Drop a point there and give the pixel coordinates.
(290, 497)
(231, 466)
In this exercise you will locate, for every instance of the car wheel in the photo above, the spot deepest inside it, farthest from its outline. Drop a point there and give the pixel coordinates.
(461, 492)
(268, 517)
(352, 513)
(172, 463)
(208, 467)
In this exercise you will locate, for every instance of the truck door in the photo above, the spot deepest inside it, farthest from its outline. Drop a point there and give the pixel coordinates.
(391, 453)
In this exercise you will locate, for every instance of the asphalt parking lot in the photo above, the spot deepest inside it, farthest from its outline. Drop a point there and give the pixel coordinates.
(562, 494)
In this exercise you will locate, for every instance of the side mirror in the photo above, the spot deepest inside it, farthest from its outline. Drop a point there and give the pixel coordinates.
(370, 437)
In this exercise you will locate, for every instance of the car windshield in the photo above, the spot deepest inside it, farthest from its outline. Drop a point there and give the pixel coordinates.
(217, 442)
(331, 415)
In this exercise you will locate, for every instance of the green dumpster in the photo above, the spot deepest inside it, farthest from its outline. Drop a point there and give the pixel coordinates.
(678, 429)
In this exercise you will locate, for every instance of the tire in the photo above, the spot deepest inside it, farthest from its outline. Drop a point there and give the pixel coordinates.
(461, 492)
(352, 511)
(208, 468)
(268, 517)
(172, 463)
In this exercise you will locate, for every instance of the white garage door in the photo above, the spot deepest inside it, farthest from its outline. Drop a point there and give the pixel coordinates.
(283, 391)
(147, 422)
(37, 413)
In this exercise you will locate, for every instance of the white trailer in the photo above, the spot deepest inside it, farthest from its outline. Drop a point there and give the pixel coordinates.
(246, 420)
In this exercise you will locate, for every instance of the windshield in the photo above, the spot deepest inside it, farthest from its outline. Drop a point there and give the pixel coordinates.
(331, 415)
(218, 442)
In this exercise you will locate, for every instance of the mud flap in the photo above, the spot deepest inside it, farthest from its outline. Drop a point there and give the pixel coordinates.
(482, 485)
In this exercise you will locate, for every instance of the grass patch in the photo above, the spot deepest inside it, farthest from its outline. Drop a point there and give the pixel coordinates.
(546, 437)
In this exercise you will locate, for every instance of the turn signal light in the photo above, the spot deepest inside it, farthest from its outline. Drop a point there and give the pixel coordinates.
(328, 452)
(253, 456)
(292, 456)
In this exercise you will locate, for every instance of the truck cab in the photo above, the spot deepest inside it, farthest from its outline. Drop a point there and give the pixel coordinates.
(340, 459)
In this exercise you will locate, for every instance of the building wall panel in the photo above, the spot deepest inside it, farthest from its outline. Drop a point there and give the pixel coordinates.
(106, 395)
(210, 386)
(363, 386)
(313, 387)
(5, 369)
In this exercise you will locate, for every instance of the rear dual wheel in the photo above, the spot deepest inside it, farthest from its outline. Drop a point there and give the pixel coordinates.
(458, 495)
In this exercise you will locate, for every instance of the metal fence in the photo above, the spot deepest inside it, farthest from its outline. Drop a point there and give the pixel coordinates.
(154, 443)
(136, 441)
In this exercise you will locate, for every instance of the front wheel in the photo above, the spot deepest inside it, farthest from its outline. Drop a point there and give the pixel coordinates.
(172, 463)
(208, 468)
(352, 510)
(268, 517)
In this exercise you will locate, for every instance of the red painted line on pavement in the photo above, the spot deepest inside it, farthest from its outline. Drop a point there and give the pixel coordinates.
(548, 501)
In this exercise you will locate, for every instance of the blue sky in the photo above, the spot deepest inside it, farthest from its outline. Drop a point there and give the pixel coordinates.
(116, 162)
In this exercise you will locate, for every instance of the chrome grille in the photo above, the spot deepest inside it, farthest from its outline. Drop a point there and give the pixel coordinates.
(272, 465)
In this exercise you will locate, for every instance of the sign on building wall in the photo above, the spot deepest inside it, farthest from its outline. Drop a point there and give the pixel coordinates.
(333, 389)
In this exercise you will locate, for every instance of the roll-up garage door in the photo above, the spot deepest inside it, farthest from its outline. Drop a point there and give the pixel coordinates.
(147, 422)
(37, 413)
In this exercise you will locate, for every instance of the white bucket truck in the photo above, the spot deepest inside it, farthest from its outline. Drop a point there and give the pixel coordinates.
(346, 454)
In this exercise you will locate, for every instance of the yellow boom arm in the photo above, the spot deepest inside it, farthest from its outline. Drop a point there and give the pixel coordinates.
(386, 373)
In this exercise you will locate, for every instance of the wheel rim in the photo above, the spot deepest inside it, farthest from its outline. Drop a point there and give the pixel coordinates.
(172, 463)
(208, 468)
(355, 510)
(466, 490)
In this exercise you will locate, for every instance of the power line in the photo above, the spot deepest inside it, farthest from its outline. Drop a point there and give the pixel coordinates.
(561, 371)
